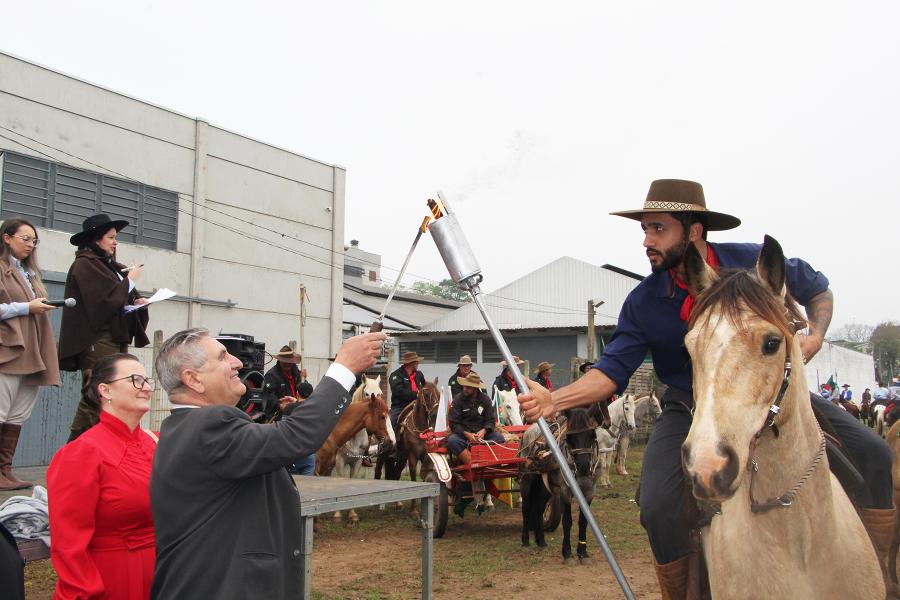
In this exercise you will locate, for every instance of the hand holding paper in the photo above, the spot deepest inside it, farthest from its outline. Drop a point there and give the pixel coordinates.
(160, 295)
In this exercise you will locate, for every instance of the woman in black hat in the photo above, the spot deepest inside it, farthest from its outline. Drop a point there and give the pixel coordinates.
(97, 325)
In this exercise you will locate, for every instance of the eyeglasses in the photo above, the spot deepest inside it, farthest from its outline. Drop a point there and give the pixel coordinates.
(28, 239)
(137, 381)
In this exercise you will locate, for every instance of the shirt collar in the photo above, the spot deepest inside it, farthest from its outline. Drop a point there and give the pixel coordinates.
(118, 426)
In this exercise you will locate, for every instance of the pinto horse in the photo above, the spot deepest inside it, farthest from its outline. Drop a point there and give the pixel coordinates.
(755, 451)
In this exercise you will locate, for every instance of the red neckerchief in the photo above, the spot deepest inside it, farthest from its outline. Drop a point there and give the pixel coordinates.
(289, 376)
(688, 305)
(511, 381)
(412, 381)
(549, 383)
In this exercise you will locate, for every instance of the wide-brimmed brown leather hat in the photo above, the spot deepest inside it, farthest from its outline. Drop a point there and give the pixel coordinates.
(94, 225)
(472, 380)
(410, 357)
(679, 195)
(544, 366)
(465, 360)
(287, 355)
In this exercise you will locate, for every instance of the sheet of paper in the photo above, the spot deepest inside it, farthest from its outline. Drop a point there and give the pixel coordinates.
(160, 295)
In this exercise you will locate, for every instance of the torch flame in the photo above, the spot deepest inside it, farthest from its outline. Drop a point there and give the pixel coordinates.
(437, 209)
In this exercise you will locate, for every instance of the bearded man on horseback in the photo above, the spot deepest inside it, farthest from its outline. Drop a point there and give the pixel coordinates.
(654, 318)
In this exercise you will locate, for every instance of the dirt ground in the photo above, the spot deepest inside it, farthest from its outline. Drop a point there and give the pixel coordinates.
(478, 556)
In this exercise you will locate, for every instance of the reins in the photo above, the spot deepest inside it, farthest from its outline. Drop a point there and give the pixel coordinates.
(787, 498)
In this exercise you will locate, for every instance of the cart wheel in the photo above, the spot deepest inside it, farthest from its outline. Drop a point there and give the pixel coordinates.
(440, 506)
(552, 513)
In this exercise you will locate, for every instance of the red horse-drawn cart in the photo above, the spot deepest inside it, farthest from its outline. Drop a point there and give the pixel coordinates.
(489, 463)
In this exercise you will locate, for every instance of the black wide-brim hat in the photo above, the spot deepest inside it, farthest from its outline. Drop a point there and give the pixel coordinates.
(93, 225)
(679, 195)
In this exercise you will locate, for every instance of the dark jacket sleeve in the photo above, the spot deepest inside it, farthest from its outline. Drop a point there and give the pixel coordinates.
(489, 415)
(455, 417)
(238, 448)
(401, 393)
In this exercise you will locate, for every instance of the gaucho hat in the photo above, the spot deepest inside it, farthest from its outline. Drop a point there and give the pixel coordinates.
(93, 225)
(287, 355)
(679, 195)
(473, 380)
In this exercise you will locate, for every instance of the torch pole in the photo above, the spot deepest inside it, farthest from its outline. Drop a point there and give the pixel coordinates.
(567, 474)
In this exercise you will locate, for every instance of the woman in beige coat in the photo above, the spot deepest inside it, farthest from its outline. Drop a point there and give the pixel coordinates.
(27, 348)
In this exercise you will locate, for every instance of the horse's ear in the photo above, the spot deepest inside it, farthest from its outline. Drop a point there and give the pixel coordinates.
(435, 381)
(697, 274)
(770, 266)
(378, 381)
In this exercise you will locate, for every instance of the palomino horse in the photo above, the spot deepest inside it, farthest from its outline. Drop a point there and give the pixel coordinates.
(878, 413)
(416, 418)
(755, 449)
(368, 414)
(621, 425)
(893, 440)
(646, 410)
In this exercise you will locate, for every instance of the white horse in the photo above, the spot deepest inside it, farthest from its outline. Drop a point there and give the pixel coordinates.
(621, 423)
(878, 410)
(509, 408)
(646, 409)
(349, 457)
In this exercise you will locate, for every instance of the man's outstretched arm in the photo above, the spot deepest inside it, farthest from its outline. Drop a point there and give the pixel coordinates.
(593, 387)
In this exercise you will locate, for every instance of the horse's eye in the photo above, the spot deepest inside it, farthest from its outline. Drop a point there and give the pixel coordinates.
(771, 345)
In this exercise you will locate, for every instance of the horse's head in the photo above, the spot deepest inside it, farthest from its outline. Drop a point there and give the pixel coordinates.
(653, 407)
(628, 412)
(581, 424)
(378, 420)
(740, 336)
(370, 388)
(509, 408)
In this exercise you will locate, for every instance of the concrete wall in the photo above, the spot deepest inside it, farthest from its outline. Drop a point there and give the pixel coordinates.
(55, 117)
(856, 369)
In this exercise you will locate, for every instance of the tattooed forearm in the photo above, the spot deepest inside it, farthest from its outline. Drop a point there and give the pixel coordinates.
(818, 312)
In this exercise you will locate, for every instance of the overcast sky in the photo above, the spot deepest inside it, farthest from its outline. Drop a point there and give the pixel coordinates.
(538, 119)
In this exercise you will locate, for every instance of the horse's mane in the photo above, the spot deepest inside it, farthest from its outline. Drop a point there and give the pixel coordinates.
(738, 290)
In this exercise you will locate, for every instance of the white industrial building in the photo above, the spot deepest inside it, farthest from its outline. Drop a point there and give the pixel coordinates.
(543, 316)
(232, 224)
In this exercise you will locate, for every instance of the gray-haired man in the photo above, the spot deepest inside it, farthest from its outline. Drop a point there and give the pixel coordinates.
(226, 512)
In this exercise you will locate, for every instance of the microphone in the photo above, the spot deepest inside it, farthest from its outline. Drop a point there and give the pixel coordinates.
(68, 302)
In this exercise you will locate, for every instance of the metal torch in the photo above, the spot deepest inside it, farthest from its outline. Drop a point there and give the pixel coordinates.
(464, 270)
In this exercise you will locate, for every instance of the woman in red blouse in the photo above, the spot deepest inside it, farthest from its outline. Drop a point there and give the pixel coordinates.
(101, 529)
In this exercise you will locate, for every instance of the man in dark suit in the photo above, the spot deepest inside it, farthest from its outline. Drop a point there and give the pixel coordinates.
(226, 512)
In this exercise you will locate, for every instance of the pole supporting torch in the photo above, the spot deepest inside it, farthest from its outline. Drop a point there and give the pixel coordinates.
(465, 271)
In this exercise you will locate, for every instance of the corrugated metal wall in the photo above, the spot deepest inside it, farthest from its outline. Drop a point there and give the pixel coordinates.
(48, 427)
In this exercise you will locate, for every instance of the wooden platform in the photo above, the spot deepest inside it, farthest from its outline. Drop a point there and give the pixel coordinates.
(321, 495)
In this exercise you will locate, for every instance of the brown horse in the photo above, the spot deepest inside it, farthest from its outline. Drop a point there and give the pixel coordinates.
(850, 407)
(755, 449)
(416, 418)
(370, 413)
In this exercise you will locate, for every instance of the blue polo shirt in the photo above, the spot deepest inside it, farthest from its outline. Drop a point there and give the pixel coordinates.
(650, 319)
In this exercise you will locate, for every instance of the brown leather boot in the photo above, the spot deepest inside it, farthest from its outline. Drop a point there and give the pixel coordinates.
(9, 439)
(673, 578)
(879, 524)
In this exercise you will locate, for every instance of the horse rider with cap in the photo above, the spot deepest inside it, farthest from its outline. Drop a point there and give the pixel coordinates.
(505, 381)
(472, 418)
(405, 384)
(463, 368)
(543, 371)
(653, 318)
